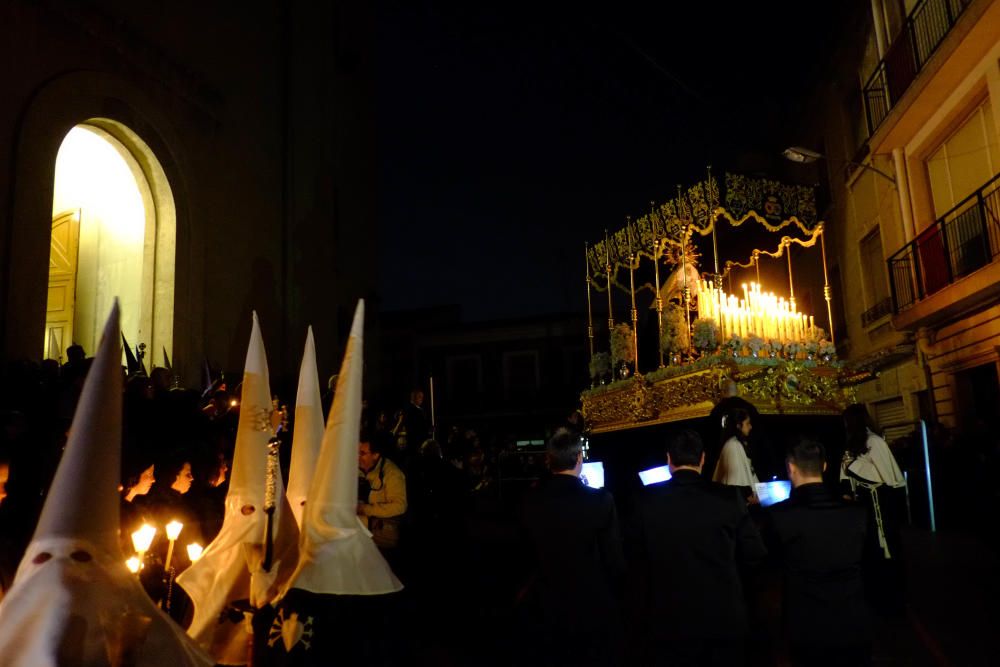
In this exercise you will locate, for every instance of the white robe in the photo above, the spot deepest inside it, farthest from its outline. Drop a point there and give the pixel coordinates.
(73, 602)
(876, 466)
(734, 467)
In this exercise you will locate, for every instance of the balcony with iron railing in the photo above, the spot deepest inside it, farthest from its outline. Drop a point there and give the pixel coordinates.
(925, 28)
(959, 244)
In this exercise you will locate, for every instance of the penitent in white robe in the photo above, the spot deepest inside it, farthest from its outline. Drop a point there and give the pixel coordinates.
(876, 466)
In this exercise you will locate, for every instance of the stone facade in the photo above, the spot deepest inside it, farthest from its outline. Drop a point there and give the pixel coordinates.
(259, 121)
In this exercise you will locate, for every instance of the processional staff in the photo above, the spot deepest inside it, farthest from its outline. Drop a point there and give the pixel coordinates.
(607, 267)
(791, 283)
(717, 278)
(590, 314)
(656, 273)
(431, 383)
(827, 292)
(684, 273)
(631, 278)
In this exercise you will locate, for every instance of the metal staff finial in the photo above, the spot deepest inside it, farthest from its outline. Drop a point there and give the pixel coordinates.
(271, 480)
(270, 498)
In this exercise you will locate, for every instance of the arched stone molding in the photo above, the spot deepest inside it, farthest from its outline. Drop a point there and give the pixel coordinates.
(131, 112)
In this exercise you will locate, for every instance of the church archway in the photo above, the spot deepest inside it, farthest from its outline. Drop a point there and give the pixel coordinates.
(113, 236)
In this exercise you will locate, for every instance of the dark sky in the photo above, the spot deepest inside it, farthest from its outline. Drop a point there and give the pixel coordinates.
(510, 134)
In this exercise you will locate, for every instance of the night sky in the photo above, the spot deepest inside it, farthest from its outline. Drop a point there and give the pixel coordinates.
(510, 134)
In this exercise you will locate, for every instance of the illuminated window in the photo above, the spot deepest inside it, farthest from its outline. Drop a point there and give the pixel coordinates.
(965, 160)
(873, 268)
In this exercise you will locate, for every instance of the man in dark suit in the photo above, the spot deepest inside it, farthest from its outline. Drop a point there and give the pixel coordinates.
(416, 422)
(693, 536)
(819, 539)
(574, 534)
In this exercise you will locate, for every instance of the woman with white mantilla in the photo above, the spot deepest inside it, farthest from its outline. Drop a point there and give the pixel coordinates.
(734, 467)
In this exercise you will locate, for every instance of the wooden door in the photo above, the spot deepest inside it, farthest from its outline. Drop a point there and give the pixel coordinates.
(62, 285)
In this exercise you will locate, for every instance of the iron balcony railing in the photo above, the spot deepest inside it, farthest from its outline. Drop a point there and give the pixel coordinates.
(925, 28)
(964, 239)
(879, 310)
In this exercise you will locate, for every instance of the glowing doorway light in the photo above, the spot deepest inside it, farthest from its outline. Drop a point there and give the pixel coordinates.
(93, 176)
(99, 180)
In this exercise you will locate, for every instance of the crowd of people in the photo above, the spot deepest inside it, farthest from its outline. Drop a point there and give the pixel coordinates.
(673, 579)
(177, 448)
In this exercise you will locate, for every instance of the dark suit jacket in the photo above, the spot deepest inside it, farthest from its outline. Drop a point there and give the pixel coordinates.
(574, 533)
(693, 535)
(418, 426)
(820, 539)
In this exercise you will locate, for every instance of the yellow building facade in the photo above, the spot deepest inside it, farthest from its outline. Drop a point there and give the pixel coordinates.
(914, 166)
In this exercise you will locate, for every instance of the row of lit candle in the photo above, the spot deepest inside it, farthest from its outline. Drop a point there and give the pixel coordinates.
(142, 539)
(758, 313)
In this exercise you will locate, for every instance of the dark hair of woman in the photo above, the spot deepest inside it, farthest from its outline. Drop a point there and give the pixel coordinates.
(133, 463)
(857, 423)
(731, 422)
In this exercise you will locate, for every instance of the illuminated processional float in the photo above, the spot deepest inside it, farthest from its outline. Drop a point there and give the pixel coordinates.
(717, 338)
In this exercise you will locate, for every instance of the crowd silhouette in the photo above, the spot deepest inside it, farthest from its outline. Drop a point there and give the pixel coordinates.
(474, 584)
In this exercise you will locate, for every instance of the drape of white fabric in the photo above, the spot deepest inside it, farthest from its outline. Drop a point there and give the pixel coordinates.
(91, 612)
(876, 466)
(336, 553)
(73, 601)
(308, 435)
(230, 569)
(734, 468)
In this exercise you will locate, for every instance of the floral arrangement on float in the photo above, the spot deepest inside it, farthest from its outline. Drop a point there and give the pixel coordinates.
(705, 335)
(674, 340)
(622, 348)
(600, 367)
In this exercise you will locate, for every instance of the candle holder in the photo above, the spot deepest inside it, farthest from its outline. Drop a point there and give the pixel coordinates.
(173, 530)
(141, 540)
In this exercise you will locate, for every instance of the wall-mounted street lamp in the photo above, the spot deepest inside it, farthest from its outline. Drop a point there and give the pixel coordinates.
(806, 156)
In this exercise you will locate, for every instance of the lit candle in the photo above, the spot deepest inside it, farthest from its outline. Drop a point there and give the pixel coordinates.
(143, 538)
(194, 551)
(173, 532)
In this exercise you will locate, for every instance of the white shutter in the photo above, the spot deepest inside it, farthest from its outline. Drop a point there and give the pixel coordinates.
(890, 416)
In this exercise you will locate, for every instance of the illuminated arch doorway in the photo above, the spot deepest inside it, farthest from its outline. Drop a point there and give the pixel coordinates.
(113, 235)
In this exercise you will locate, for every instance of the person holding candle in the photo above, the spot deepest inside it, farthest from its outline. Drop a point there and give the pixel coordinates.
(138, 476)
(169, 502)
(168, 499)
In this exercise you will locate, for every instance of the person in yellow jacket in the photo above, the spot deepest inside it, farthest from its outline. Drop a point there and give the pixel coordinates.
(384, 505)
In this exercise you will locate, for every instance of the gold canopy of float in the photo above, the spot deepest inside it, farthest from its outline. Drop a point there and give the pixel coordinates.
(715, 338)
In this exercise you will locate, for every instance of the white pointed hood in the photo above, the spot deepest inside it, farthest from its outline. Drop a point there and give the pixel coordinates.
(308, 431)
(336, 554)
(230, 570)
(73, 600)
